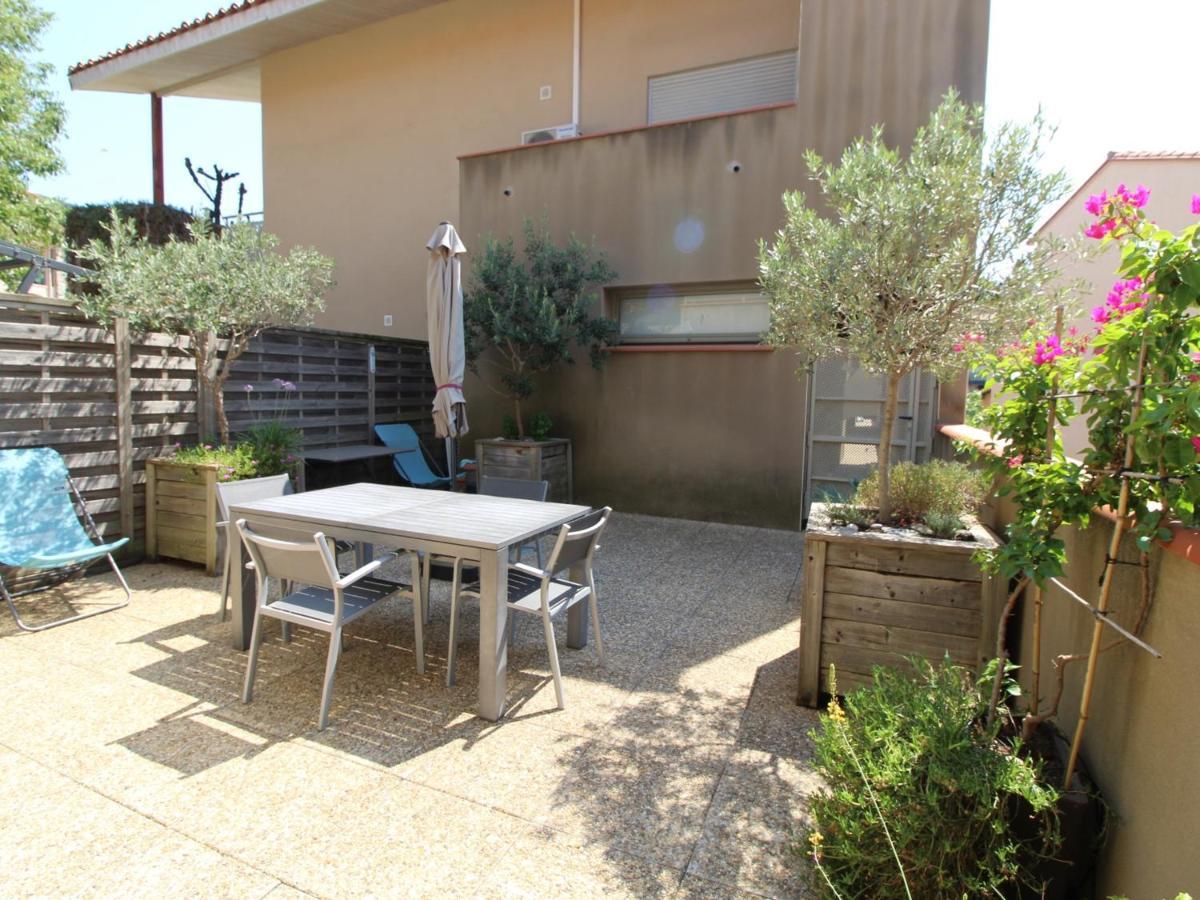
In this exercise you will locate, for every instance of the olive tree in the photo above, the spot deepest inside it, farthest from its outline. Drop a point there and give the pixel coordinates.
(910, 256)
(218, 290)
(523, 317)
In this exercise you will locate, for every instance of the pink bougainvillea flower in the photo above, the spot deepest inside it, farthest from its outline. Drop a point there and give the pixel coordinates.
(1196, 443)
(1196, 204)
(1045, 352)
(957, 348)
(1015, 461)
(1095, 203)
(1139, 197)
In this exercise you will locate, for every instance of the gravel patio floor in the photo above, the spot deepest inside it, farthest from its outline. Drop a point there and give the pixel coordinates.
(680, 767)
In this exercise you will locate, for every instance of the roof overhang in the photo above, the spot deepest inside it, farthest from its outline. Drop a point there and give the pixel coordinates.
(218, 56)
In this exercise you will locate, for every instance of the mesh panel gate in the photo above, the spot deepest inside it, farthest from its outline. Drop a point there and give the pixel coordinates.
(845, 419)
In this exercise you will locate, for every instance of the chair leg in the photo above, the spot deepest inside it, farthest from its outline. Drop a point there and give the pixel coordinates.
(12, 607)
(223, 613)
(552, 649)
(285, 588)
(426, 600)
(593, 602)
(252, 662)
(335, 651)
(455, 602)
(418, 614)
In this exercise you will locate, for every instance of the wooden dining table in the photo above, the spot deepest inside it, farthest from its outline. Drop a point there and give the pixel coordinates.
(473, 527)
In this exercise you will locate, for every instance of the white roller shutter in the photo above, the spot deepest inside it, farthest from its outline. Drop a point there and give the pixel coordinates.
(723, 88)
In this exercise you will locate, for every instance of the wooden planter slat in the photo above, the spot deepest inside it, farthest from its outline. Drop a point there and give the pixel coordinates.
(902, 588)
(874, 598)
(902, 613)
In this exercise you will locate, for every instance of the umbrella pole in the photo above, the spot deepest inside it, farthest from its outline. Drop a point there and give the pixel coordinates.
(450, 470)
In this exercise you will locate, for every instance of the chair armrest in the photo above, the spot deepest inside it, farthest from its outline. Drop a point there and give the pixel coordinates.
(360, 573)
(529, 570)
(224, 524)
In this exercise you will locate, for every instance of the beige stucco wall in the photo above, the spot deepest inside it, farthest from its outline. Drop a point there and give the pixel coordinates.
(360, 137)
(1172, 183)
(361, 132)
(1141, 739)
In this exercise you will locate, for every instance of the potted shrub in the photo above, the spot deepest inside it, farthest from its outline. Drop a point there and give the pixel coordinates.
(917, 255)
(218, 291)
(523, 318)
(925, 797)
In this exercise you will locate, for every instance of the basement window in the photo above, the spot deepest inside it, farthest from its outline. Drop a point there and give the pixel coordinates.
(726, 87)
(663, 315)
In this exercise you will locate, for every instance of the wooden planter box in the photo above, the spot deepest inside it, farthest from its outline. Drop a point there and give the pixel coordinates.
(529, 460)
(181, 512)
(873, 598)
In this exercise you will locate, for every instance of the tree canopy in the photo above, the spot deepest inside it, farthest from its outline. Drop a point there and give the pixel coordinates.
(31, 121)
(219, 290)
(523, 317)
(910, 256)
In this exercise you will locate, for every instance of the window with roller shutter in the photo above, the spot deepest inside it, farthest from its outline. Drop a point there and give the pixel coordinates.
(725, 87)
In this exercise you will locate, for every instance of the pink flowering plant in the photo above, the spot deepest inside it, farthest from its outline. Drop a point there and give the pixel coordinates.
(1135, 380)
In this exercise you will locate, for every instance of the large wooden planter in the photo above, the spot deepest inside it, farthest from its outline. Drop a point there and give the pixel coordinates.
(874, 598)
(181, 512)
(530, 460)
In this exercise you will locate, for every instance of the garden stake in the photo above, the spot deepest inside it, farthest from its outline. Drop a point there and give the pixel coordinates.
(1114, 547)
(1051, 425)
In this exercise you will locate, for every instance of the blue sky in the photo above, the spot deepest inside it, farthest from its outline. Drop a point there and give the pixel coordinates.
(1112, 75)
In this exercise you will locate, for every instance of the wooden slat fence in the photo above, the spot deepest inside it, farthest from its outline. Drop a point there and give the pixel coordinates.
(108, 400)
(338, 398)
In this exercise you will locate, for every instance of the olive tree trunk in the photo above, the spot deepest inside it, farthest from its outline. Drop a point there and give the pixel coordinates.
(885, 446)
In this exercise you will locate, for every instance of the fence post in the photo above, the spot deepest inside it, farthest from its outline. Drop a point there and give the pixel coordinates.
(124, 379)
(370, 393)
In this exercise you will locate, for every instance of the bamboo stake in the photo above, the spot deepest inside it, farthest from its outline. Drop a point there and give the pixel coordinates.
(1051, 426)
(1114, 547)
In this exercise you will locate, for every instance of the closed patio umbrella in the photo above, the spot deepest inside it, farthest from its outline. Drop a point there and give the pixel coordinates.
(447, 353)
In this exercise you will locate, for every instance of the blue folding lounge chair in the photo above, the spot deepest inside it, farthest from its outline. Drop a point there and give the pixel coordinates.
(410, 461)
(41, 529)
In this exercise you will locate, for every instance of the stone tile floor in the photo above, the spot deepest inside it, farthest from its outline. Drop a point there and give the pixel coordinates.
(680, 767)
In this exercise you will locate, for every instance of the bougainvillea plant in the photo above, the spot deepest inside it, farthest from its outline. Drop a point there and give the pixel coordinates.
(1135, 378)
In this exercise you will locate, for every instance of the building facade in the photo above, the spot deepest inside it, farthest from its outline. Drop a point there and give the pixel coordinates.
(381, 119)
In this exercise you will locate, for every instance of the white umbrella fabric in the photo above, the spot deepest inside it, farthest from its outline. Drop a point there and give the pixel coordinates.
(447, 352)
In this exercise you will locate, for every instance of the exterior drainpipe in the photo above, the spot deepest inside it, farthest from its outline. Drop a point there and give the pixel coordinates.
(575, 67)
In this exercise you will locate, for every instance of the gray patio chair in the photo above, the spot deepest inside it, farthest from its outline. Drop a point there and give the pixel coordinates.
(229, 494)
(542, 592)
(321, 598)
(441, 568)
(45, 525)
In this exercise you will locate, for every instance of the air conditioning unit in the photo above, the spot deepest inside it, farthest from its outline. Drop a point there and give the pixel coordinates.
(555, 133)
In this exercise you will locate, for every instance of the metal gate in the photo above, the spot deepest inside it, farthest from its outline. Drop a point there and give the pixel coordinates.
(845, 416)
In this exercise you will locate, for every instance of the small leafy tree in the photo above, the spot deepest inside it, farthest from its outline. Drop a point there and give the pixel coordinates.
(916, 255)
(220, 291)
(524, 317)
(31, 121)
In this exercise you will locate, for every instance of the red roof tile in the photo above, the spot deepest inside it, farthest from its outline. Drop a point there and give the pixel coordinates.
(224, 12)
